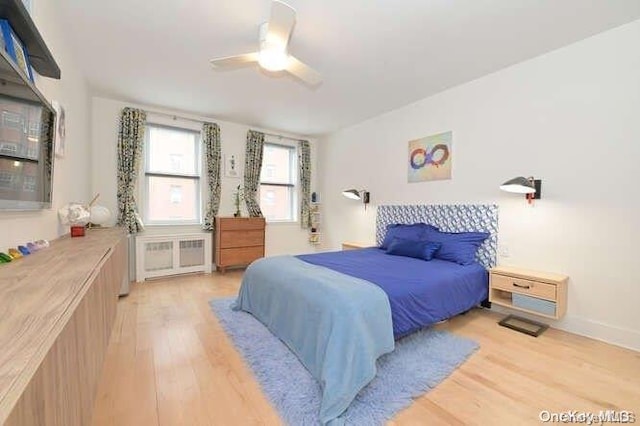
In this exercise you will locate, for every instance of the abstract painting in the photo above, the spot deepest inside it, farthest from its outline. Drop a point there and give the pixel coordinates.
(430, 158)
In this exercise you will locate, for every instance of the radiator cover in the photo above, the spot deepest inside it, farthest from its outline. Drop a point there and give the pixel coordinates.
(163, 255)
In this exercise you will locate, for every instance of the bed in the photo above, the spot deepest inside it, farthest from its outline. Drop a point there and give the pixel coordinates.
(420, 293)
(340, 311)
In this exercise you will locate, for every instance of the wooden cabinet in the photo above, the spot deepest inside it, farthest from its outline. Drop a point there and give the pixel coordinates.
(539, 293)
(239, 241)
(58, 306)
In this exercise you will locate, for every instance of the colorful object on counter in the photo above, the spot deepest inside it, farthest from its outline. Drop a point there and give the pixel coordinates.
(14, 253)
(23, 250)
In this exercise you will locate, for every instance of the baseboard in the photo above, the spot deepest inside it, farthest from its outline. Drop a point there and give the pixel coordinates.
(619, 336)
(608, 333)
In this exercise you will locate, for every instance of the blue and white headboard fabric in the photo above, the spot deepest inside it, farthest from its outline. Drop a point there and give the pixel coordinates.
(448, 218)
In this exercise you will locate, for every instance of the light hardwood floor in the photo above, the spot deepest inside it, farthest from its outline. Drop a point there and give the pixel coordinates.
(170, 363)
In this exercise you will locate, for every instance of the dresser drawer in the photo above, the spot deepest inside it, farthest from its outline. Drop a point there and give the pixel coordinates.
(522, 286)
(240, 255)
(240, 223)
(231, 239)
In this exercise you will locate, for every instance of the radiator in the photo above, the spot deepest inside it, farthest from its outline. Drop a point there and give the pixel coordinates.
(162, 255)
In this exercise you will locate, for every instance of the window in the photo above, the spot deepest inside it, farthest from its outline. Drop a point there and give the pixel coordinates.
(34, 131)
(176, 162)
(12, 120)
(6, 180)
(278, 183)
(172, 176)
(9, 148)
(176, 194)
(29, 184)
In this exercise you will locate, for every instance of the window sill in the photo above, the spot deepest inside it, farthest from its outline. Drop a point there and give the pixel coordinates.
(164, 225)
(156, 229)
(282, 222)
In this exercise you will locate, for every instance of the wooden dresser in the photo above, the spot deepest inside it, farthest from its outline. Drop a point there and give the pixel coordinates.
(57, 307)
(239, 241)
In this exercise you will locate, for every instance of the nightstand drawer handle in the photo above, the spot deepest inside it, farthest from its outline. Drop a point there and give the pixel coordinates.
(521, 286)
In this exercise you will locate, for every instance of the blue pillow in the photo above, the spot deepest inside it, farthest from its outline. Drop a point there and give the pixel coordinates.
(418, 249)
(414, 232)
(458, 247)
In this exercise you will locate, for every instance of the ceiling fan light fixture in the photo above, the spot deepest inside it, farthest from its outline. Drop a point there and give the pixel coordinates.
(273, 54)
(273, 59)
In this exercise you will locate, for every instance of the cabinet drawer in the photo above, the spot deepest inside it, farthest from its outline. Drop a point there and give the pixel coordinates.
(231, 239)
(240, 223)
(240, 255)
(522, 286)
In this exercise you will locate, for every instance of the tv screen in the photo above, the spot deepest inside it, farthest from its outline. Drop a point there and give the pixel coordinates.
(26, 145)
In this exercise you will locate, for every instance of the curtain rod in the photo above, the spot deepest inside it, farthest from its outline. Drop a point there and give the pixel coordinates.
(281, 136)
(176, 117)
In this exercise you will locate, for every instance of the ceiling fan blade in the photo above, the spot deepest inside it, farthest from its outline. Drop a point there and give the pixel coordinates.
(303, 72)
(281, 22)
(235, 61)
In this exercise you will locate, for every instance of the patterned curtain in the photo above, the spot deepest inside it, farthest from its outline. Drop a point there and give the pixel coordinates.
(304, 164)
(211, 141)
(252, 168)
(130, 144)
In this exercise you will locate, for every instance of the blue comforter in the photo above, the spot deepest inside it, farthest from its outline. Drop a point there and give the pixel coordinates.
(420, 293)
(337, 325)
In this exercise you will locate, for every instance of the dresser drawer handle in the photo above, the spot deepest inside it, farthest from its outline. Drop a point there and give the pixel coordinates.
(521, 286)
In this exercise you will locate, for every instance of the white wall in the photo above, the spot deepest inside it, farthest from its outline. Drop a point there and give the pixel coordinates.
(281, 238)
(71, 173)
(570, 118)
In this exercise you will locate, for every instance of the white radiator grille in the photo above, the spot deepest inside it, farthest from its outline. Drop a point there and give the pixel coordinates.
(158, 256)
(191, 253)
(162, 255)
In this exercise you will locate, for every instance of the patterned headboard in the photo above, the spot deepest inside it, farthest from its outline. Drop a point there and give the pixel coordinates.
(449, 218)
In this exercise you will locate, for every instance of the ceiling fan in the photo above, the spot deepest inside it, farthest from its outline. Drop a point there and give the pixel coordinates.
(274, 53)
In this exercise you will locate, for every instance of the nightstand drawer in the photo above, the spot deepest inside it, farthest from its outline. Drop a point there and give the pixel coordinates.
(534, 304)
(522, 286)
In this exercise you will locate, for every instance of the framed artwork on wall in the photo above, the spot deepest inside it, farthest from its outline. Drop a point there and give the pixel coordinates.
(231, 168)
(430, 158)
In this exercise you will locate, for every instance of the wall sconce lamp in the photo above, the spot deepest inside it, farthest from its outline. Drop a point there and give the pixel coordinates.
(532, 188)
(354, 194)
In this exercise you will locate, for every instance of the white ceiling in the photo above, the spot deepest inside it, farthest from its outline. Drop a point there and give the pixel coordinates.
(374, 55)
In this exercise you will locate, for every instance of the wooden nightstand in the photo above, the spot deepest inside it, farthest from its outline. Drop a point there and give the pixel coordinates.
(538, 293)
(352, 246)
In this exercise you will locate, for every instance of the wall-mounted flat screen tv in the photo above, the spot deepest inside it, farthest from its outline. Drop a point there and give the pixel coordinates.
(26, 142)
